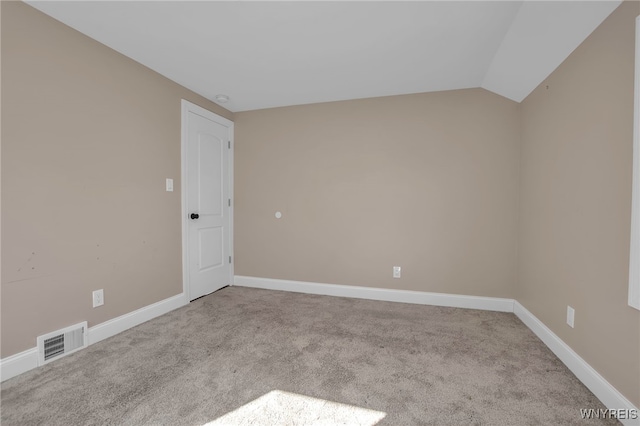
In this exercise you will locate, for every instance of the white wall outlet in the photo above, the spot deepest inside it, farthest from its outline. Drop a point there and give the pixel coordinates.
(397, 272)
(571, 313)
(169, 185)
(98, 298)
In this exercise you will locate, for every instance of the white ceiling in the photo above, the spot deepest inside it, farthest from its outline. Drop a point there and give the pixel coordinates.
(270, 54)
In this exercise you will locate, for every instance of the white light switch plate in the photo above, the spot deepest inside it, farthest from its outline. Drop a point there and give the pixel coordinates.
(571, 313)
(169, 185)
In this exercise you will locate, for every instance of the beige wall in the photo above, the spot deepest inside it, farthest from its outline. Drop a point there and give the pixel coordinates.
(88, 138)
(576, 202)
(427, 182)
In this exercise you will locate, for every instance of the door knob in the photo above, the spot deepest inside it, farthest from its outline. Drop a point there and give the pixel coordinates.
(194, 215)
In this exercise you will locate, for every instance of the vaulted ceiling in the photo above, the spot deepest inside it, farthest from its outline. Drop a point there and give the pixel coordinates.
(269, 54)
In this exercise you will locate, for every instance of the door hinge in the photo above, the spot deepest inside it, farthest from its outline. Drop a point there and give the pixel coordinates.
(229, 144)
(229, 202)
(229, 259)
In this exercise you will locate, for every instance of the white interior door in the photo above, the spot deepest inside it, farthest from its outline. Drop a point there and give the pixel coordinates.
(207, 203)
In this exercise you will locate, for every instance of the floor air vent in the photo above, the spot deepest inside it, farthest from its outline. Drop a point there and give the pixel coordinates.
(59, 343)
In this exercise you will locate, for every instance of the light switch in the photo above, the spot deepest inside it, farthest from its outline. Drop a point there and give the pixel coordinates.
(169, 185)
(571, 313)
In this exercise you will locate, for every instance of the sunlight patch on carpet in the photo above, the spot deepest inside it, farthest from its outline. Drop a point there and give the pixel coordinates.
(284, 408)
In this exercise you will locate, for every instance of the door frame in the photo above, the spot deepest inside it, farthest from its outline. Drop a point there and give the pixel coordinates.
(188, 107)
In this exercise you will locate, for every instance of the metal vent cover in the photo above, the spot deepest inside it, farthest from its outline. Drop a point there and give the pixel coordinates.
(62, 342)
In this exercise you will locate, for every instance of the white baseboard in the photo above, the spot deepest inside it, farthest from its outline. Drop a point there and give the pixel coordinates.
(387, 295)
(597, 384)
(18, 363)
(28, 360)
(124, 322)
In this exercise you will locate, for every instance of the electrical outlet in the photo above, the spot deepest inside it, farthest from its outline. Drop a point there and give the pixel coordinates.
(571, 313)
(98, 298)
(397, 271)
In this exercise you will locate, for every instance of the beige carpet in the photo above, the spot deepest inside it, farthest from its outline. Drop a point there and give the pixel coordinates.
(248, 356)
